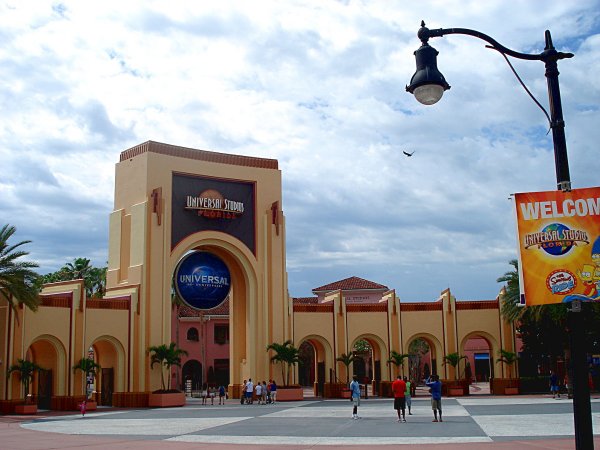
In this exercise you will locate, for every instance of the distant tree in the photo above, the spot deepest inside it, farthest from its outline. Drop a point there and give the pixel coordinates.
(18, 282)
(94, 278)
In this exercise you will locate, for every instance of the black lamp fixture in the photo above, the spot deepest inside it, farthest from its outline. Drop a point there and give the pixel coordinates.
(428, 86)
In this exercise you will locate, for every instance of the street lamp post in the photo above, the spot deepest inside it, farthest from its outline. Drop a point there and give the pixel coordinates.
(428, 85)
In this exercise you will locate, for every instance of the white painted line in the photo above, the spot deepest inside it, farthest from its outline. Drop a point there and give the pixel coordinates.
(308, 441)
(145, 427)
(531, 424)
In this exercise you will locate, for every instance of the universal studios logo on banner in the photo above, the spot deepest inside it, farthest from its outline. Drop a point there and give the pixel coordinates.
(559, 246)
(202, 280)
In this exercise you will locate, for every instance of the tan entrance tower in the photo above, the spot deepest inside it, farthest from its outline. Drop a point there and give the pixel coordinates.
(171, 200)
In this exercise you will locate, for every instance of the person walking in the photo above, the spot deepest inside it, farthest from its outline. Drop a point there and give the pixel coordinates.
(355, 396)
(221, 395)
(554, 385)
(435, 387)
(407, 395)
(399, 391)
(273, 392)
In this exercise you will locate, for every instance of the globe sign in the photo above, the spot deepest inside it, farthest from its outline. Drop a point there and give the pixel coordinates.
(202, 280)
(558, 248)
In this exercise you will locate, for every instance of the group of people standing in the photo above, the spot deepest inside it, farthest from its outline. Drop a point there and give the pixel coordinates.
(211, 392)
(401, 388)
(263, 392)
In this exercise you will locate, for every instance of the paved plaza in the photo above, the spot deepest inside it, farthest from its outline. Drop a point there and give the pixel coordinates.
(469, 422)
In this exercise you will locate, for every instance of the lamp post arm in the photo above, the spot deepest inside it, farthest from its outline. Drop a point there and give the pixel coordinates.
(550, 58)
(548, 53)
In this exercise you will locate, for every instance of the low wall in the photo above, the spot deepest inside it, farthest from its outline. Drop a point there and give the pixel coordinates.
(130, 399)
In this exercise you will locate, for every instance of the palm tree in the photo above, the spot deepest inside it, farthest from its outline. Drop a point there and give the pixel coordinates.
(397, 359)
(287, 355)
(166, 357)
(508, 358)
(17, 280)
(453, 359)
(25, 369)
(510, 309)
(346, 360)
(89, 367)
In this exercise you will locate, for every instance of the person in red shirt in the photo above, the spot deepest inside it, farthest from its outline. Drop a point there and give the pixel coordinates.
(398, 388)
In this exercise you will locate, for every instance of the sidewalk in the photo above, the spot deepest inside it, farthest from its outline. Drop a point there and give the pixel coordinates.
(470, 423)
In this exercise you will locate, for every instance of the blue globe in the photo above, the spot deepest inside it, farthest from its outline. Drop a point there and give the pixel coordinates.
(557, 248)
(202, 280)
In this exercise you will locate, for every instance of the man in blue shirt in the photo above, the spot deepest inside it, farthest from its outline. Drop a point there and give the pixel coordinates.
(435, 387)
(355, 396)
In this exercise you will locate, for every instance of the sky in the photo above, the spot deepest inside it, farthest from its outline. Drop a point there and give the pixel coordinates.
(319, 86)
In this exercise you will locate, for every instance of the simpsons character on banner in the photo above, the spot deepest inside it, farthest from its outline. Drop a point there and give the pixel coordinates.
(559, 245)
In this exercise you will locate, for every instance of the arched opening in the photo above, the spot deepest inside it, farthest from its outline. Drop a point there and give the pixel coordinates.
(48, 353)
(479, 348)
(109, 354)
(219, 347)
(317, 358)
(424, 357)
(371, 355)
(191, 372)
(479, 366)
(306, 369)
(192, 334)
(419, 360)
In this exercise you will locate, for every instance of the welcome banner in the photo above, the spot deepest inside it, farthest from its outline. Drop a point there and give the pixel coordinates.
(559, 245)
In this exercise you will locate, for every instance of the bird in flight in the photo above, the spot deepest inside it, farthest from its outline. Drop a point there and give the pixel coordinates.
(408, 154)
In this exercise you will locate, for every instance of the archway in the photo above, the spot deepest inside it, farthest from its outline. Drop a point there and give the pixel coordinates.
(424, 360)
(479, 348)
(243, 320)
(319, 359)
(191, 373)
(307, 367)
(373, 355)
(110, 355)
(48, 353)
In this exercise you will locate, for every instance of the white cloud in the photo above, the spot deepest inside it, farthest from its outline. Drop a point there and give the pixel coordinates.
(319, 86)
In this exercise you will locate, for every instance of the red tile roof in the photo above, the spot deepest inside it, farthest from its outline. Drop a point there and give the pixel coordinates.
(350, 284)
(305, 300)
(221, 310)
(202, 155)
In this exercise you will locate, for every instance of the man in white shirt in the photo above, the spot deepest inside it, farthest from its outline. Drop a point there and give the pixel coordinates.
(249, 391)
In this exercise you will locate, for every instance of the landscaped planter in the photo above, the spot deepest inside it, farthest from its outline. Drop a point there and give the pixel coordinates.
(504, 386)
(25, 409)
(289, 394)
(457, 391)
(166, 400)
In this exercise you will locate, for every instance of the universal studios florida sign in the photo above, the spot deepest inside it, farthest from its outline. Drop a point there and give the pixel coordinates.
(202, 280)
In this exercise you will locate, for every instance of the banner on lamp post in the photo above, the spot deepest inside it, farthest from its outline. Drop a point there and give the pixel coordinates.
(559, 246)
